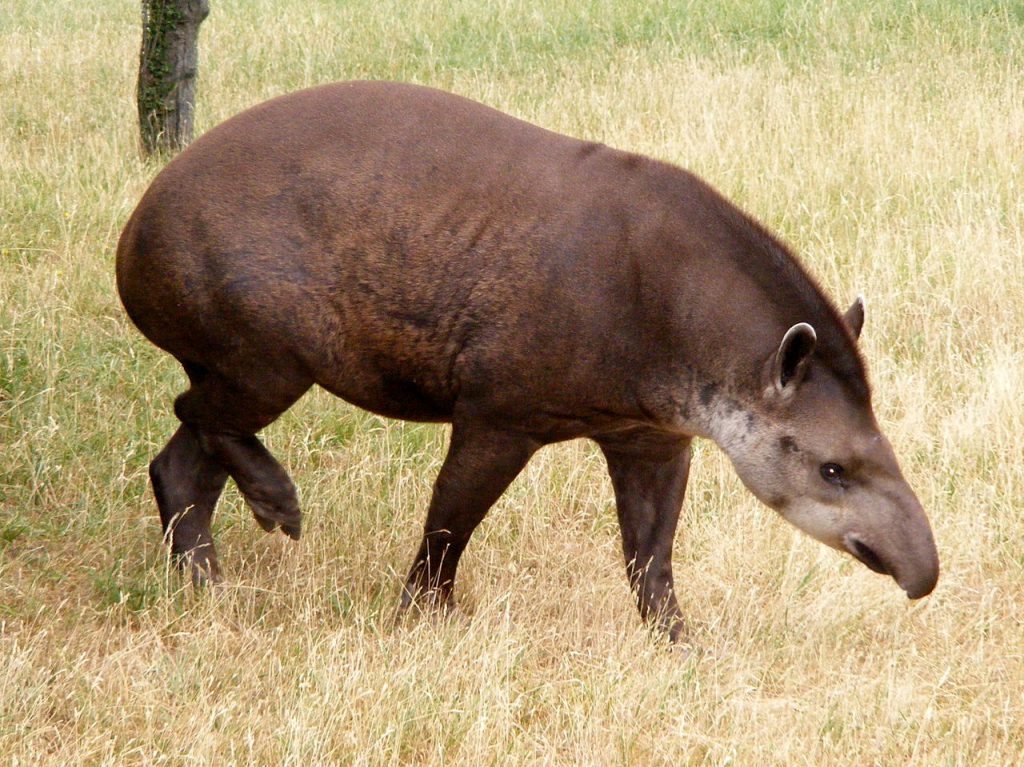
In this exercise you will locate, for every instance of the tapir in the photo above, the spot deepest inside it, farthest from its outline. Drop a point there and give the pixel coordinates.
(429, 258)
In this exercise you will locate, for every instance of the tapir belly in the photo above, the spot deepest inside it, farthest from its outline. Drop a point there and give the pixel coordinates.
(386, 384)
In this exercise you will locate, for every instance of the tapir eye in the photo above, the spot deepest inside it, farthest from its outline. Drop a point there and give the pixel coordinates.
(833, 473)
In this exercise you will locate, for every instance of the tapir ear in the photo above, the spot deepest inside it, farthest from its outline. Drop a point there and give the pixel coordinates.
(855, 316)
(790, 364)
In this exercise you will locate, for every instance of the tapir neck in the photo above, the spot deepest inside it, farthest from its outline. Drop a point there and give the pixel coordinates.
(727, 291)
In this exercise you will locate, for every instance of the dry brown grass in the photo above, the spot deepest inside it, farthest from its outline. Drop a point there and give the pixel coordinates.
(884, 143)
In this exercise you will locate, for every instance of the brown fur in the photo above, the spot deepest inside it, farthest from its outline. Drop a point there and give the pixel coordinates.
(428, 258)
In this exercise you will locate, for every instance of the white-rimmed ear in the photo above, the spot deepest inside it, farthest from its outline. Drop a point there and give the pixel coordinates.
(792, 356)
(854, 316)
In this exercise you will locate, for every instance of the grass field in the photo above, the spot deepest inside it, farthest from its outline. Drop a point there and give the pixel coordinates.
(883, 139)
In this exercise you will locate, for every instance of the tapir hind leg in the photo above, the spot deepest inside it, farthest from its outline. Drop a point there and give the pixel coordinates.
(217, 439)
(649, 476)
(263, 481)
(480, 464)
(187, 483)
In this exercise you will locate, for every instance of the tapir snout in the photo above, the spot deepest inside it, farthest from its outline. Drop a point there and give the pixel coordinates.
(904, 548)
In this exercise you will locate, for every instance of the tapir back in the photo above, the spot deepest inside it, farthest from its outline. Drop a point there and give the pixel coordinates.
(400, 241)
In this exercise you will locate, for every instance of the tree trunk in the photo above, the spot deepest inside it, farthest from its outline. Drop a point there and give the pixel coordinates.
(167, 72)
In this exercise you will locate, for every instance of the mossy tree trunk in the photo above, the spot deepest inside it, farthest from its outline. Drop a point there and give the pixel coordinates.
(167, 72)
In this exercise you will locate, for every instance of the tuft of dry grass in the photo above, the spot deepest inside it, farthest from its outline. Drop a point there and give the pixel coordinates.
(883, 140)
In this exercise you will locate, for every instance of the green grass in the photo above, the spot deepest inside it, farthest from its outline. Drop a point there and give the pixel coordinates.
(882, 139)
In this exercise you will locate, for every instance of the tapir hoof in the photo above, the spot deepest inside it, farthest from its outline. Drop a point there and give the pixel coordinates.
(268, 525)
(203, 577)
(677, 632)
(270, 518)
(202, 566)
(427, 600)
(426, 606)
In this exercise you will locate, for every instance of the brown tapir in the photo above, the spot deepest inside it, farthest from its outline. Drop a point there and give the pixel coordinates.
(429, 258)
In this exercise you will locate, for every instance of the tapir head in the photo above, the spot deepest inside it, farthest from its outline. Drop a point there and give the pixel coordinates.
(816, 455)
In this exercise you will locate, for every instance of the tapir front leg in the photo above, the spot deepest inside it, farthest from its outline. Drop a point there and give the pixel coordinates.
(480, 464)
(649, 476)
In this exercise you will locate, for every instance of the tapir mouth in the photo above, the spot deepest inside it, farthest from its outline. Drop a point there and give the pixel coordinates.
(865, 554)
(916, 571)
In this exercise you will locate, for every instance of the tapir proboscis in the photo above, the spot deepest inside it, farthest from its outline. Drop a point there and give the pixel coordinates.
(429, 258)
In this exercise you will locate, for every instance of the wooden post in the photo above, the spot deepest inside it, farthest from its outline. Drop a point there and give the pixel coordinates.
(167, 72)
